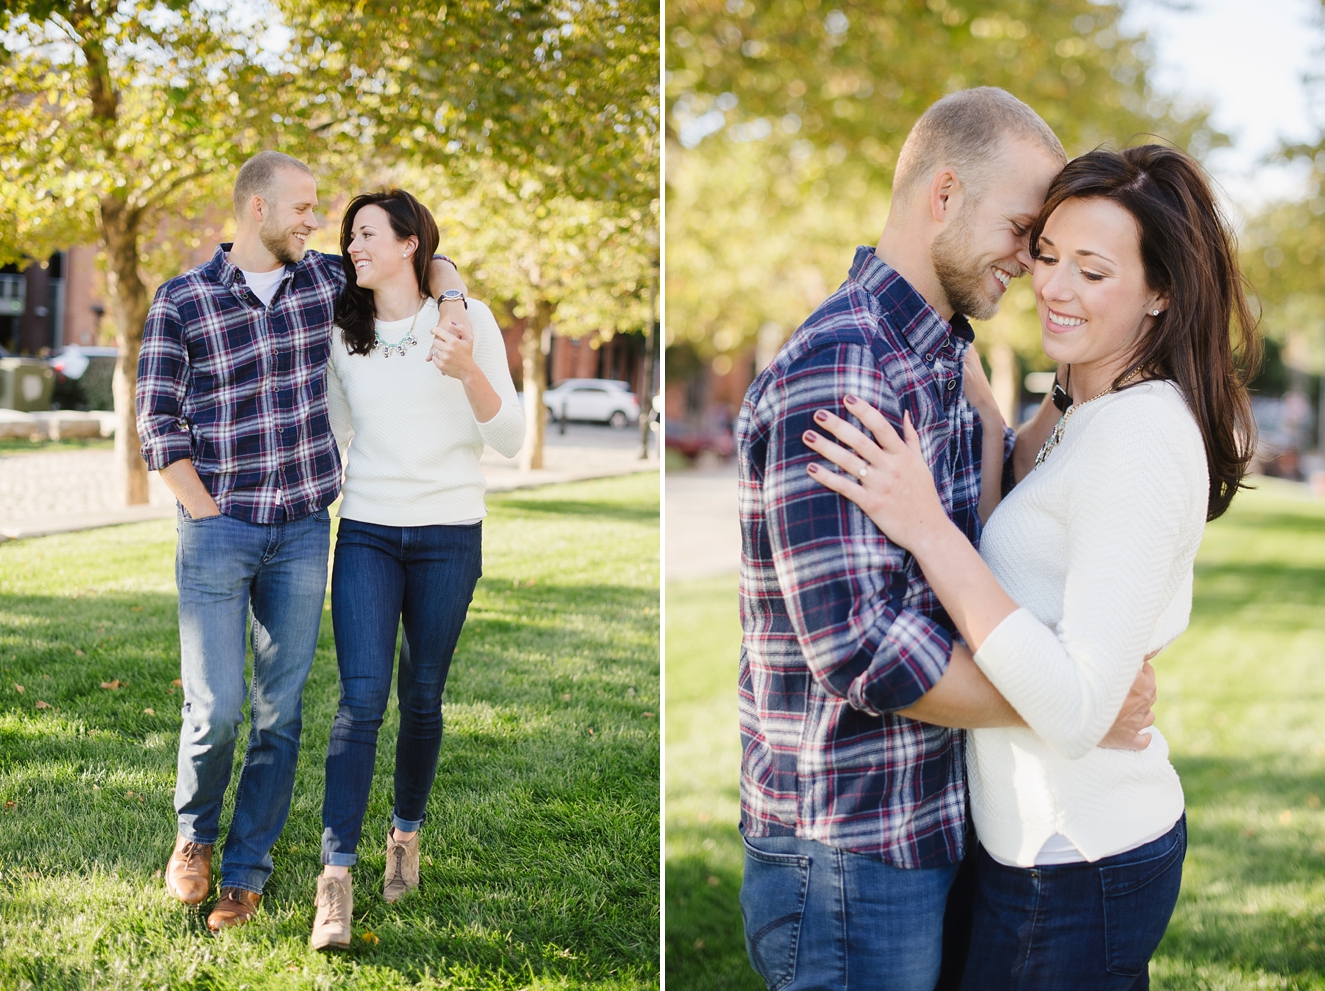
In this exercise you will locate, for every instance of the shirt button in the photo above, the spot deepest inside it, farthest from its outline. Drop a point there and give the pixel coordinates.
(930, 356)
(952, 384)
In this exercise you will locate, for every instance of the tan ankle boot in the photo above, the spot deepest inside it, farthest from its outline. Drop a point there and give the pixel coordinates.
(189, 871)
(402, 866)
(335, 910)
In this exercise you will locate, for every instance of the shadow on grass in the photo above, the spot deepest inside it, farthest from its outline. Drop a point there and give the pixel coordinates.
(542, 825)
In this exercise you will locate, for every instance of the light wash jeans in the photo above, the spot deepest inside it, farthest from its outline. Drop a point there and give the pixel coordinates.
(229, 571)
(817, 917)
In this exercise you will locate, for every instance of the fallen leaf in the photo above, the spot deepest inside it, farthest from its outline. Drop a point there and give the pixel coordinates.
(96, 787)
(19, 688)
(648, 715)
(9, 805)
(713, 881)
(149, 712)
(369, 938)
(79, 653)
(591, 733)
(699, 944)
(170, 691)
(156, 873)
(128, 794)
(112, 685)
(1313, 802)
(178, 683)
(45, 677)
(1285, 817)
(135, 609)
(564, 698)
(43, 705)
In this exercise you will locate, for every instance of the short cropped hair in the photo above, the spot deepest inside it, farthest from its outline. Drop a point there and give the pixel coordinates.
(965, 130)
(257, 175)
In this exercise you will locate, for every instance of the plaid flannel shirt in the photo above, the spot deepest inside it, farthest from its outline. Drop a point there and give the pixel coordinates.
(840, 626)
(240, 388)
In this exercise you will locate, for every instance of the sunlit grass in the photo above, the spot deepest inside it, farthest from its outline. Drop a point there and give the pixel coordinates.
(1242, 698)
(540, 853)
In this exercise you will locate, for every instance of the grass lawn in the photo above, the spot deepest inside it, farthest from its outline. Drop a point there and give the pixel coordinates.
(12, 445)
(541, 849)
(1241, 700)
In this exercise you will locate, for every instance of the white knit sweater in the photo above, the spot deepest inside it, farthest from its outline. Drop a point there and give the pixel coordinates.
(1096, 546)
(413, 442)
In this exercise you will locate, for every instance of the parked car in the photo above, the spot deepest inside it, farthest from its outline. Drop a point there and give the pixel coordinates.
(693, 441)
(83, 377)
(600, 400)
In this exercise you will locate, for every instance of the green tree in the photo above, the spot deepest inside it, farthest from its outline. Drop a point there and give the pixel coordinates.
(544, 258)
(785, 119)
(114, 116)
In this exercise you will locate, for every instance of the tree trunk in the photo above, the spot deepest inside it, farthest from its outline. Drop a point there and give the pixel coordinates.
(128, 307)
(646, 389)
(534, 349)
(1003, 379)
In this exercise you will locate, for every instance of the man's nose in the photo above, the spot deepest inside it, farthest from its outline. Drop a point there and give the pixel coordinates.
(1024, 258)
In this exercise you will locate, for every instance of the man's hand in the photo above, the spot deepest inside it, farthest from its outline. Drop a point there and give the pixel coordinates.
(182, 479)
(1136, 714)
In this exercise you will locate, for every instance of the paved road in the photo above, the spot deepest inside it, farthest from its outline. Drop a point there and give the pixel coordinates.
(75, 490)
(702, 525)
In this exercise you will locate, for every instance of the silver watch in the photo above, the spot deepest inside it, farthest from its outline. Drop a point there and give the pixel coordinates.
(451, 295)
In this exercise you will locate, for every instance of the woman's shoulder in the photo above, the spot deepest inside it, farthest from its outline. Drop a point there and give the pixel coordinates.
(1150, 417)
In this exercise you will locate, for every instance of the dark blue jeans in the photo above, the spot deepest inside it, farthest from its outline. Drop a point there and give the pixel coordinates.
(820, 917)
(1074, 927)
(384, 576)
(230, 573)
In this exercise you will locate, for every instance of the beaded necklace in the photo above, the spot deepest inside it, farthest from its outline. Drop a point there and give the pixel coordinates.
(1056, 437)
(408, 341)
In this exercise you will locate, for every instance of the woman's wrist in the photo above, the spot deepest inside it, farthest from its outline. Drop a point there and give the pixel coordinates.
(936, 540)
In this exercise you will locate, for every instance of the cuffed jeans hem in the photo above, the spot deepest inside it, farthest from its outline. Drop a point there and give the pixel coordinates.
(339, 859)
(248, 884)
(405, 825)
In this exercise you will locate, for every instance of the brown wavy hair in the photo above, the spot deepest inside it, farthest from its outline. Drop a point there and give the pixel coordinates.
(356, 314)
(1207, 340)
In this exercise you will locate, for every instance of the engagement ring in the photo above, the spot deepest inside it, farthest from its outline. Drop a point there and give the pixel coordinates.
(864, 472)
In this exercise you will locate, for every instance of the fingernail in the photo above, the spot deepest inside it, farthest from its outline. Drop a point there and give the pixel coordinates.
(821, 416)
(850, 400)
(813, 469)
(811, 436)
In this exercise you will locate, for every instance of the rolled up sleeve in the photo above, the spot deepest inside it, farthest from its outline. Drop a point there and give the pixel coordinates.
(163, 370)
(846, 585)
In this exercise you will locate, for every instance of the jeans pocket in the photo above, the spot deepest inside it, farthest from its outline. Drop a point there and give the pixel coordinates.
(1139, 897)
(772, 907)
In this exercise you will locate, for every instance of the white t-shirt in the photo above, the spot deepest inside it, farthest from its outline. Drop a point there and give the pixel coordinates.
(264, 284)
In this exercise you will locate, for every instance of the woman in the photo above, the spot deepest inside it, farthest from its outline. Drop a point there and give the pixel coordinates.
(1087, 564)
(409, 547)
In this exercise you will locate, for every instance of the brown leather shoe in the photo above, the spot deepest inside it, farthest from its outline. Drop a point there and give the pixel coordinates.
(189, 871)
(236, 907)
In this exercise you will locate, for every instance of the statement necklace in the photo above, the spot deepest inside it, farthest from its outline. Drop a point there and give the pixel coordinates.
(1056, 437)
(408, 341)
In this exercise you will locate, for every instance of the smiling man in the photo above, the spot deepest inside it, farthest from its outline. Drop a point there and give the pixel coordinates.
(853, 790)
(232, 411)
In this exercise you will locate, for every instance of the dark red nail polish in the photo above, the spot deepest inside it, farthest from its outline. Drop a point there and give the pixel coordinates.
(811, 436)
(821, 416)
(813, 469)
(850, 400)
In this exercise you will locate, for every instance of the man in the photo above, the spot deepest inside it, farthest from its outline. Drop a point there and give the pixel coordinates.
(232, 413)
(853, 792)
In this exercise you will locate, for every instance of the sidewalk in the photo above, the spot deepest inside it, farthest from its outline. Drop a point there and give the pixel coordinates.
(75, 490)
(703, 526)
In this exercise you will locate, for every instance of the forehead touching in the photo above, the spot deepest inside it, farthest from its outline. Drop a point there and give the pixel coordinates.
(1018, 179)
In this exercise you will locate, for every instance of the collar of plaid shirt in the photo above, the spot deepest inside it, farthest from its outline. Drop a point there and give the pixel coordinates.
(824, 757)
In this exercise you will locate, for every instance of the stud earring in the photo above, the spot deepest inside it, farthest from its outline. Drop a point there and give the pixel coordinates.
(1154, 313)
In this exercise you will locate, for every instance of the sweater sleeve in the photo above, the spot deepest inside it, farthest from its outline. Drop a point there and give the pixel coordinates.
(338, 406)
(1134, 509)
(504, 433)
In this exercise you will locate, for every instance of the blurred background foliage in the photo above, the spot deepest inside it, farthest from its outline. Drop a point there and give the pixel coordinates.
(783, 123)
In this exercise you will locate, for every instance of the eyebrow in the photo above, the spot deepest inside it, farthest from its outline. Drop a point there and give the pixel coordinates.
(1081, 251)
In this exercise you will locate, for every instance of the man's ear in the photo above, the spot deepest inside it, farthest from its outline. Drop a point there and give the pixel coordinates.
(257, 206)
(945, 195)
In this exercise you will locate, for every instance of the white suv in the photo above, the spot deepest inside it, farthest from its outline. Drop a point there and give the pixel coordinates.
(602, 400)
